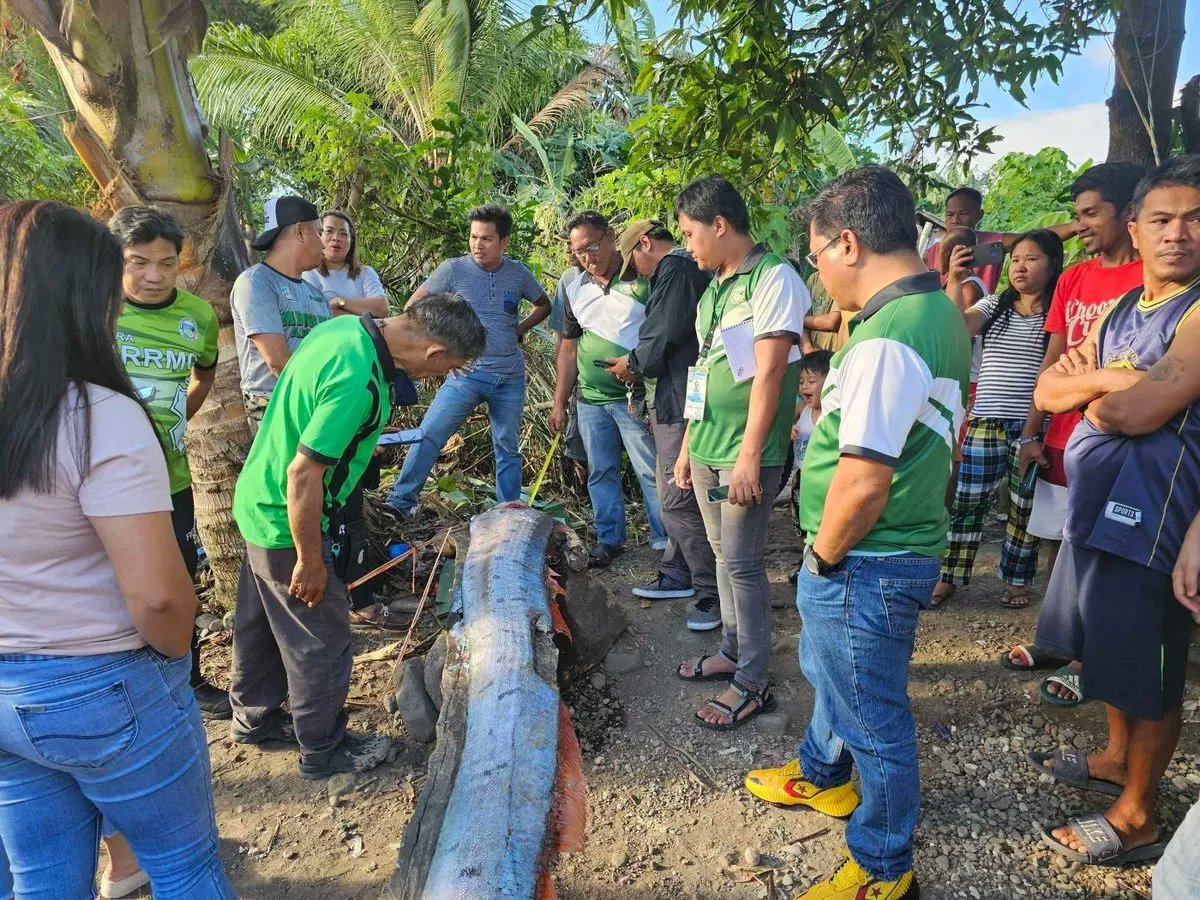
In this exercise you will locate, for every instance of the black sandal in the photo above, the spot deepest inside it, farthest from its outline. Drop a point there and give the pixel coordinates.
(766, 703)
(698, 671)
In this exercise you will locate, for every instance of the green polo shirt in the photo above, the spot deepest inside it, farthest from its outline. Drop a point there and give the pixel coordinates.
(896, 394)
(160, 344)
(606, 322)
(766, 291)
(330, 403)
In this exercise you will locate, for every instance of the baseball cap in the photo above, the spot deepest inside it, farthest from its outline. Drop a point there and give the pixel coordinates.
(629, 239)
(280, 212)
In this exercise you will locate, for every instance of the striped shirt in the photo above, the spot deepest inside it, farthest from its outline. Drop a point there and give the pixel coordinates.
(1013, 349)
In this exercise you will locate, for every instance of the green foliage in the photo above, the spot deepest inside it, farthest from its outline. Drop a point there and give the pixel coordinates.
(745, 77)
(33, 167)
(1022, 190)
(35, 159)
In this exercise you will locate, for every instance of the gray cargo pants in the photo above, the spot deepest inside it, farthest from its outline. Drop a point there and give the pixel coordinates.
(283, 649)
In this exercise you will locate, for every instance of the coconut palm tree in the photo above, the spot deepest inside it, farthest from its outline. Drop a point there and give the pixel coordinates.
(417, 62)
(138, 131)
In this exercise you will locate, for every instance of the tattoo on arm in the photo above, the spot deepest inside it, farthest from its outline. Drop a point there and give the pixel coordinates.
(1166, 368)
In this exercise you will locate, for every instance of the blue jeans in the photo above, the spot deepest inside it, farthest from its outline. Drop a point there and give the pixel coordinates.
(116, 735)
(455, 400)
(605, 429)
(859, 627)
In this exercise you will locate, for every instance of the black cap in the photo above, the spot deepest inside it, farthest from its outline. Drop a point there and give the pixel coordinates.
(280, 212)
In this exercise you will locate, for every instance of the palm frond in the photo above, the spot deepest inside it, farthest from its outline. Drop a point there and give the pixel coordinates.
(572, 97)
(259, 86)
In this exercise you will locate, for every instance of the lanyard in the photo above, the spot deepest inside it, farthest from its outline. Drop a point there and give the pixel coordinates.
(702, 358)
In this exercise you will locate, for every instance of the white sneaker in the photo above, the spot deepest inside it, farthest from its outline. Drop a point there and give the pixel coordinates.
(123, 887)
(659, 546)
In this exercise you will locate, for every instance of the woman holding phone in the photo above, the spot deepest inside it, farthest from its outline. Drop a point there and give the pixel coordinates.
(96, 606)
(1010, 330)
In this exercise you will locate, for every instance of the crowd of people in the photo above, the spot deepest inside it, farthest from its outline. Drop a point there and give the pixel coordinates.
(891, 395)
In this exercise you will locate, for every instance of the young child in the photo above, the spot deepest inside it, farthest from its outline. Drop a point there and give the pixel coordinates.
(814, 368)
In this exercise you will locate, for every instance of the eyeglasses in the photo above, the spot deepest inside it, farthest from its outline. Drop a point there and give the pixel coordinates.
(589, 250)
(812, 257)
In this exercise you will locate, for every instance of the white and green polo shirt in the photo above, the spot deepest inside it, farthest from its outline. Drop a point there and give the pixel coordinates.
(160, 344)
(769, 293)
(897, 394)
(606, 322)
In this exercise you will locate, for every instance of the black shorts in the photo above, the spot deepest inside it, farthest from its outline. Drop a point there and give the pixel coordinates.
(1121, 620)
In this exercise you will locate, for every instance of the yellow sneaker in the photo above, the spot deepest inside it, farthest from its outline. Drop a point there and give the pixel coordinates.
(851, 882)
(786, 786)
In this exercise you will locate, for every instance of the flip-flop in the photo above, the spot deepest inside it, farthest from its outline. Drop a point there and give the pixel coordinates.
(1010, 600)
(1102, 842)
(1071, 768)
(1069, 679)
(1034, 657)
(766, 703)
(698, 672)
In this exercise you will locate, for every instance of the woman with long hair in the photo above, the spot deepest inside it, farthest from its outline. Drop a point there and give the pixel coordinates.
(1010, 326)
(96, 606)
(350, 287)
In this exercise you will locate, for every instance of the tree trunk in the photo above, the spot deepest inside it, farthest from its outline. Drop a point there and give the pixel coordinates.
(1146, 48)
(140, 133)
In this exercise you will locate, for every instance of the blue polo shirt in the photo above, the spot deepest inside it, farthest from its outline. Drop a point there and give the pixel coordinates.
(495, 297)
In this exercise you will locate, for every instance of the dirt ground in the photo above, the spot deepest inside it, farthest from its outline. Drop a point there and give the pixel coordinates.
(668, 817)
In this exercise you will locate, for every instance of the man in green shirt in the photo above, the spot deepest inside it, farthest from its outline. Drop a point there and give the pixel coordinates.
(875, 476)
(291, 638)
(167, 339)
(740, 402)
(602, 317)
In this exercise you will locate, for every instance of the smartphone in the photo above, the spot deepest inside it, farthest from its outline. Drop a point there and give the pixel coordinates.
(602, 364)
(718, 494)
(987, 254)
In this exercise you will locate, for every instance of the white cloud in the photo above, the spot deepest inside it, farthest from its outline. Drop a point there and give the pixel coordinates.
(1082, 131)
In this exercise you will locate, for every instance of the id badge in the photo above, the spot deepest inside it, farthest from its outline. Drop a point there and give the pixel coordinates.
(697, 389)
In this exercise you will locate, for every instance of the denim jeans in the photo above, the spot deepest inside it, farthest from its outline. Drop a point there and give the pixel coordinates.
(859, 627)
(738, 536)
(116, 735)
(455, 400)
(605, 429)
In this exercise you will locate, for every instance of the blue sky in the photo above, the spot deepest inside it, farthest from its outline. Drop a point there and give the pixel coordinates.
(1079, 122)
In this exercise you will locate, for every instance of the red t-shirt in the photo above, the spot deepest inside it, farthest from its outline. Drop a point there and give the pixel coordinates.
(1085, 292)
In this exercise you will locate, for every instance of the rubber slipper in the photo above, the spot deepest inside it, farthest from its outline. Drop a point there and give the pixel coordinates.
(1034, 657)
(698, 673)
(1071, 768)
(1102, 842)
(1069, 679)
(1014, 601)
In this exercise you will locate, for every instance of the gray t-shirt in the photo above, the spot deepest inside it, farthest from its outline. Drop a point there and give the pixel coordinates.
(495, 297)
(265, 302)
(338, 283)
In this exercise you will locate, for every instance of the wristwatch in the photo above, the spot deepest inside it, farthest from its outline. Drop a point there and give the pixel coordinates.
(818, 566)
(339, 303)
